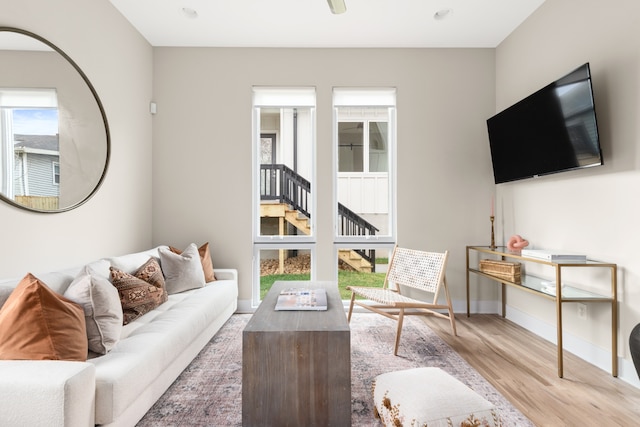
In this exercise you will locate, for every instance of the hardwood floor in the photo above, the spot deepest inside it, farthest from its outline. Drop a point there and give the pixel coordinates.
(522, 366)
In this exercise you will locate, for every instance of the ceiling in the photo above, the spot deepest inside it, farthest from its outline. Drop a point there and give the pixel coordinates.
(310, 23)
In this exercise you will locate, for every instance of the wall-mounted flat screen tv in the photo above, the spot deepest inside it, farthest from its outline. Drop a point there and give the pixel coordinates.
(552, 130)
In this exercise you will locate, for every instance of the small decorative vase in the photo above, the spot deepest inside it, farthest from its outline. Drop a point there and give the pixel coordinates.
(634, 346)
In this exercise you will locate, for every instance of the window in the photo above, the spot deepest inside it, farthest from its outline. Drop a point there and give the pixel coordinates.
(29, 143)
(365, 173)
(363, 145)
(364, 140)
(56, 173)
(283, 190)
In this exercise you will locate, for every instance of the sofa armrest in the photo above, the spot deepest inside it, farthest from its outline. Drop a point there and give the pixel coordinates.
(47, 393)
(226, 274)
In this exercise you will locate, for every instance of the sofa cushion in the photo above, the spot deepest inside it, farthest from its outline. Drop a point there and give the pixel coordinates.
(138, 296)
(182, 271)
(102, 309)
(37, 323)
(151, 347)
(205, 259)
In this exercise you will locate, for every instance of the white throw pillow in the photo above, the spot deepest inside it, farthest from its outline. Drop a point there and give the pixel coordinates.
(182, 271)
(102, 309)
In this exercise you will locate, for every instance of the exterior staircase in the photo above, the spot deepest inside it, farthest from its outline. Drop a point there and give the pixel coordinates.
(301, 222)
(355, 260)
(298, 221)
(285, 195)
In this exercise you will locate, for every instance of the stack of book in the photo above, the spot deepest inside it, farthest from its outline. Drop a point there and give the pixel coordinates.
(553, 256)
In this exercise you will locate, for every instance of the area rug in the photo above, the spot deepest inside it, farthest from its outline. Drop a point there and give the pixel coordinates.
(209, 391)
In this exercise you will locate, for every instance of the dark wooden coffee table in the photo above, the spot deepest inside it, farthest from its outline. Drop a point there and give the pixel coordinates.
(296, 365)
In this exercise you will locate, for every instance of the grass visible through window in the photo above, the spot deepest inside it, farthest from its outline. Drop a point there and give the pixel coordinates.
(345, 278)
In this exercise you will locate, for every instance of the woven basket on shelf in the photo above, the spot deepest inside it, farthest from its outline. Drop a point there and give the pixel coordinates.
(502, 269)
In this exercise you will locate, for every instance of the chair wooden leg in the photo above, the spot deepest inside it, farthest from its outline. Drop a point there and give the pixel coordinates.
(353, 298)
(452, 319)
(399, 331)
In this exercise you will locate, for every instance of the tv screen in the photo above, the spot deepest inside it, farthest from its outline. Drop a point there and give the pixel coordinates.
(552, 130)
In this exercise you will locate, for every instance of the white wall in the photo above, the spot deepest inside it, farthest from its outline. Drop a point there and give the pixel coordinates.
(592, 211)
(202, 145)
(118, 61)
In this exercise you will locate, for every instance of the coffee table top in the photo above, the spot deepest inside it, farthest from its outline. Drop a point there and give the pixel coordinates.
(267, 319)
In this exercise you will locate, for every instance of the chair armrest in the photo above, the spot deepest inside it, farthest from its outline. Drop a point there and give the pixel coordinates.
(47, 392)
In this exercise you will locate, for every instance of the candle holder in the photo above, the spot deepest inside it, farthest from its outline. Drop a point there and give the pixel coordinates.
(493, 238)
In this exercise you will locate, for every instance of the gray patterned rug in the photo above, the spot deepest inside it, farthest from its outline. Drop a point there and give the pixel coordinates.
(208, 392)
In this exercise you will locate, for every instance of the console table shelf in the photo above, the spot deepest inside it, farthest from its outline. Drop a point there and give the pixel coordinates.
(542, 287)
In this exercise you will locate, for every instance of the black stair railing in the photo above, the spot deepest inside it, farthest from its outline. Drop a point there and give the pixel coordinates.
(352, 224)
(280, 183)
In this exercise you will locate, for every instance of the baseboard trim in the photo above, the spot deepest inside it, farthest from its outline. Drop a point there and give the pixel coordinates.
(576, 345)
(244, 306)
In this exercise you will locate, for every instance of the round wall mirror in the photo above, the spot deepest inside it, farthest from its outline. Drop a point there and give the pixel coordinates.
(54, 136)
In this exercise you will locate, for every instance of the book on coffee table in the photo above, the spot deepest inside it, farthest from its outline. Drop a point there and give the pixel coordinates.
(302, 299)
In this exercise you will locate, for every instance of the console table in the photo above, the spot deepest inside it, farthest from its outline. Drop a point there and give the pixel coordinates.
(296, 365)
(536, 286)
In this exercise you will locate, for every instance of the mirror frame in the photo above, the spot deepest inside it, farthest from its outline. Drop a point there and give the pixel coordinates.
(102, 113)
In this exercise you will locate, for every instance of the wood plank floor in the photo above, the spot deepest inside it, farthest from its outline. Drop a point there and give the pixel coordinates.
(522, 366)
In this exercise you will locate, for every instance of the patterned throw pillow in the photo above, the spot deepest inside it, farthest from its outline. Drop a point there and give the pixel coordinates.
(140, 292)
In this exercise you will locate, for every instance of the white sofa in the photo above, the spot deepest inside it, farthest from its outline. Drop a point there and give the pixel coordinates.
(118, 388)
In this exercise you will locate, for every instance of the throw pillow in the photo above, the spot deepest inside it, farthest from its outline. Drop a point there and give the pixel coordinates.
(138, 296)
(205, 259)
(102, 309)
(38, 324)
(182, 271)
(151, 273)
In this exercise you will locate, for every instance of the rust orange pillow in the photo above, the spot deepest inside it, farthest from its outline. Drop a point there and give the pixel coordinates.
(205, 259)
(36, 323)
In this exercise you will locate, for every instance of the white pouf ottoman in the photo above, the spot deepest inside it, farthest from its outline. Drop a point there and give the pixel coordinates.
(429, 397)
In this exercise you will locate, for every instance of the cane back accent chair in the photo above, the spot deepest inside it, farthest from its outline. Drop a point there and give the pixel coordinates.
(408, 268)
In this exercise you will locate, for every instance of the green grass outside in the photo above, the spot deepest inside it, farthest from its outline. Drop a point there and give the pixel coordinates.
(345, 278)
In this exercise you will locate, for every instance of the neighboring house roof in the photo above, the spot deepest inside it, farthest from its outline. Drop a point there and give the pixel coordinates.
(37, 143)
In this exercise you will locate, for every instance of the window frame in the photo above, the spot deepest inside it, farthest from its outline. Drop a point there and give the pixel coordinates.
(281, 98)
(377, 98)
(269, 97)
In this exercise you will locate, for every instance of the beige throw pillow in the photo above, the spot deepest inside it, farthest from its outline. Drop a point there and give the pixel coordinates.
(182, 271)
(205, 259)
(102, 309)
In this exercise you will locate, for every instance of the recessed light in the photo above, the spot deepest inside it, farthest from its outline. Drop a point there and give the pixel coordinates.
(189, 13)
(442, 14)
